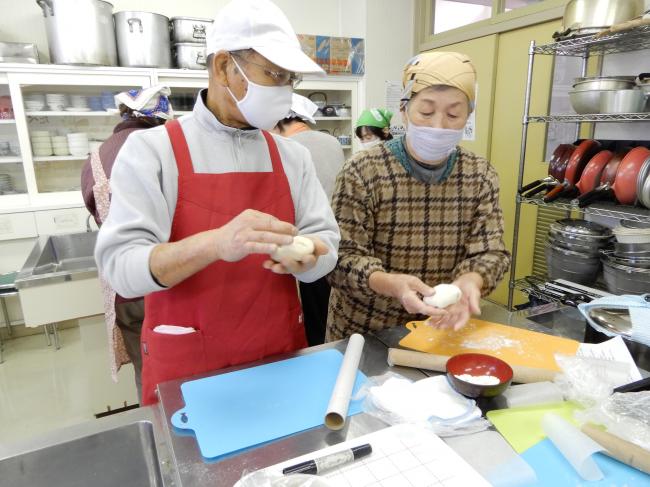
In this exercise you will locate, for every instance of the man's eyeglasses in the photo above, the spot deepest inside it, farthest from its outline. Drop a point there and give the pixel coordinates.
(280, 78)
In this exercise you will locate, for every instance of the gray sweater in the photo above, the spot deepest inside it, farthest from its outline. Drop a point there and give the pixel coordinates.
(327, 155)
(144, 186)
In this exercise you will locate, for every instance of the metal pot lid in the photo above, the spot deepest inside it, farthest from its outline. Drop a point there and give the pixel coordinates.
(631, 79)
(572, 253)
(581, 227)
(139, 12)
(634, 224)
(199, 19)
(191, 44)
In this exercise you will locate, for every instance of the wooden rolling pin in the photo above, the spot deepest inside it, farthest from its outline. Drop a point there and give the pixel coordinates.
(428, 361)
(620, 449)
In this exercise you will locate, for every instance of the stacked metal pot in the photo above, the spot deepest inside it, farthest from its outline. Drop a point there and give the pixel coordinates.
(626, 269)
(573, 250)
(128, 38)
(189, 41)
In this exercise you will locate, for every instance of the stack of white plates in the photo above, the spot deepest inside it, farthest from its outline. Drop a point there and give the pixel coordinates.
(34, 102)
(78, 144)
(56, 101)
(41, 143)
(5, 183)
(78, 103)
(60, 145)
(631, 232)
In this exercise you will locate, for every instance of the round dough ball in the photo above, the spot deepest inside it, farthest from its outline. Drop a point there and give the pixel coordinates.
(445, 295)
(300, 247)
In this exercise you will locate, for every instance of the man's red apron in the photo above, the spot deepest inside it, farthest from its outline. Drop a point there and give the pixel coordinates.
(241, 311)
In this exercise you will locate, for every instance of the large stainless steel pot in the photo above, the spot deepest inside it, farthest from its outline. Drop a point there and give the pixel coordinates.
(80, 31)
(143, 39)
(591, 16)
(189, 29)
(190, 55)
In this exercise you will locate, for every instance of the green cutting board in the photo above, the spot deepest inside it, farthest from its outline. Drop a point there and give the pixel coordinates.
(522, 427)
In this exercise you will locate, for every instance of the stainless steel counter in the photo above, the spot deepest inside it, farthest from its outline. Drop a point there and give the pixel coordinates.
(179, 455)
(194, 471)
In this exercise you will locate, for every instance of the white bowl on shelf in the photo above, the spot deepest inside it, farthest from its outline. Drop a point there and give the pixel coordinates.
(77, 135)
(34, 106)
(39, 133)
(42, 153)
(61, 152)
(59, 139)
(60, 146)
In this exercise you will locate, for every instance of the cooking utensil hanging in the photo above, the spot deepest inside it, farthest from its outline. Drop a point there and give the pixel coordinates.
(590, 177)
(556, 168)
(606, 178)
(576, 165)
(624, 187)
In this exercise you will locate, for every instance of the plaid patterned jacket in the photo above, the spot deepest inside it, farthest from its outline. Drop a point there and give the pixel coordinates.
(391, 222)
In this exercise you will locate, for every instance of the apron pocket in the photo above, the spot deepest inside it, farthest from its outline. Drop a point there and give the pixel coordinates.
(173, 356)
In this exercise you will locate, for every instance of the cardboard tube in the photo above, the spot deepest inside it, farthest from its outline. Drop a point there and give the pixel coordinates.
(620, 449)
(428, 361)
(337, 410)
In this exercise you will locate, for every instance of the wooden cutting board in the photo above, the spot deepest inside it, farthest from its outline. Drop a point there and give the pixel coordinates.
(514, 345)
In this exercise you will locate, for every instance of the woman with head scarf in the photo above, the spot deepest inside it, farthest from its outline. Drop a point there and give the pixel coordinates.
(417, 211)
(139, 109)
(373, 127)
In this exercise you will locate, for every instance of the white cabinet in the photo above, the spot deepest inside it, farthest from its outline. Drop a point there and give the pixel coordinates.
(41, 179)
(15, 226)
(56, 222)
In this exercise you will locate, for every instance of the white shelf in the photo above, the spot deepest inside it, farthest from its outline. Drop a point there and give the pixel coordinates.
(10, 160)
(71, 114)
(331, 118)
(59, 158)
(7, 121)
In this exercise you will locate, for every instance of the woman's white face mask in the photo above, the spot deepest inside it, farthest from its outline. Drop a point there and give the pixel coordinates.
(431, 144)
(263, 106)
(369, 144)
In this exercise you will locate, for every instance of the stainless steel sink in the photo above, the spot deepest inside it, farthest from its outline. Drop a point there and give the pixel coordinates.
(122, 456)
(59, 258)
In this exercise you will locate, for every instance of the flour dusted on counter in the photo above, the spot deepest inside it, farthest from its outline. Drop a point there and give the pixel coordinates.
(495, 342)
(481, 380)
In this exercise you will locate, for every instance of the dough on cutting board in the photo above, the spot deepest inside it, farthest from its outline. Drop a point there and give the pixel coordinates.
(445, 295)
(300, 247)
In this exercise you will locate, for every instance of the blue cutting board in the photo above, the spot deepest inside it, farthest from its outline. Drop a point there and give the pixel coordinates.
(241, 409)
(553, 470)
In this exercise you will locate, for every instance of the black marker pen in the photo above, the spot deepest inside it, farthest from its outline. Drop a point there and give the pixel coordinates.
(328, 462)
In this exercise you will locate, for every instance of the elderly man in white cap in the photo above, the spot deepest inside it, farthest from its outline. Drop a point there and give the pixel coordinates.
(328, 157)
(200, 204)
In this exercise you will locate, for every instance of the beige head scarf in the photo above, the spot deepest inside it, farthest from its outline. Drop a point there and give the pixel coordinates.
(439, 68)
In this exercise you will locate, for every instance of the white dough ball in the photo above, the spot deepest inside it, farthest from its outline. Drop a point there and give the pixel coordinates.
(445, 295)
(300, 247)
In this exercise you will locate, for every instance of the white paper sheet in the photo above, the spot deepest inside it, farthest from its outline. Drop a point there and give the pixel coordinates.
(613, 350)
(574, 445)
(401, 455)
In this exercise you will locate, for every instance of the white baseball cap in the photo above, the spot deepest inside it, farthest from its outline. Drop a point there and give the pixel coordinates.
(303, 108)
(262, 26)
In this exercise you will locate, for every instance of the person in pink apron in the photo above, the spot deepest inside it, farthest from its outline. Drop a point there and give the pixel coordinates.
(201, 204)
(139, 109)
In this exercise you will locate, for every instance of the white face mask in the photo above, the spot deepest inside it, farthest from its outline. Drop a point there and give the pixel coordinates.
(263, 106)
(431, 144)
(370, 144)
